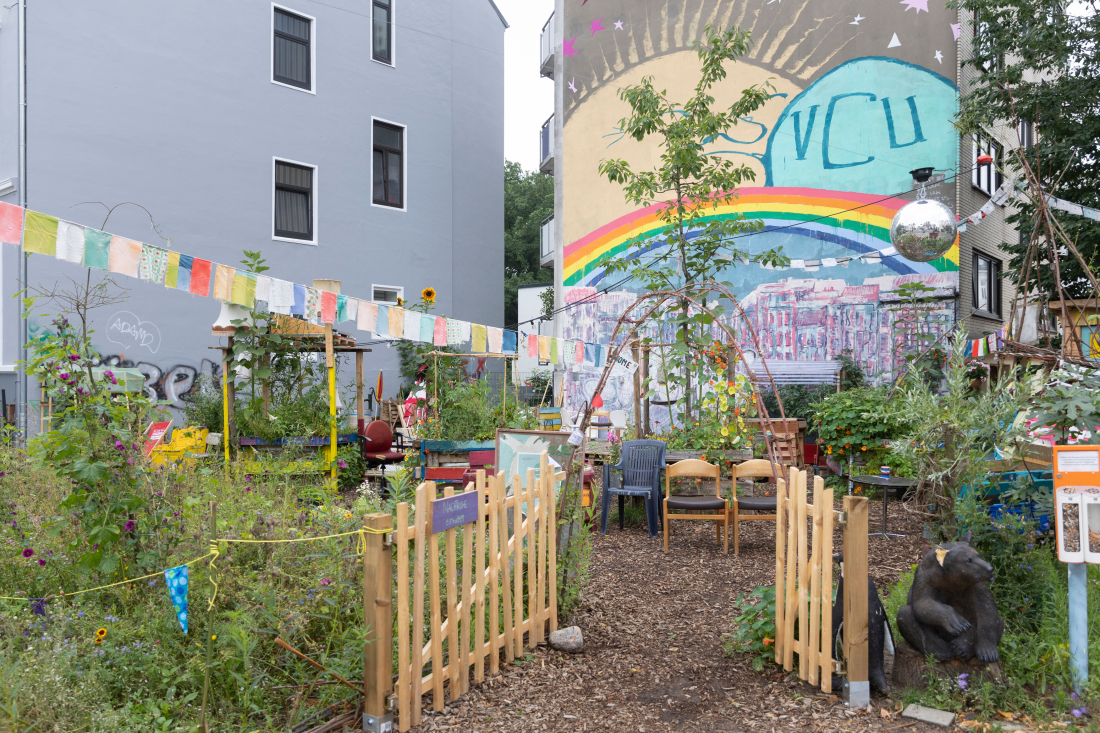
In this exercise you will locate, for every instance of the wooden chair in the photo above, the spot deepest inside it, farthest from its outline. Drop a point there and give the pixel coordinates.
(756, 468)
(689, 503)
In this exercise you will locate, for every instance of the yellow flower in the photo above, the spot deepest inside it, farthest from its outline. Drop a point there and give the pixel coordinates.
(428, 294)
(100, 633)
(725, 431)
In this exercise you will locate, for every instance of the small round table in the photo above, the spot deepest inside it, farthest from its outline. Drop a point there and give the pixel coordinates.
(894, 482)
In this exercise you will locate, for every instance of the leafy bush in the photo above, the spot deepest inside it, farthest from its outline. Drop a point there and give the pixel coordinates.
(754, 627)
(857, 422)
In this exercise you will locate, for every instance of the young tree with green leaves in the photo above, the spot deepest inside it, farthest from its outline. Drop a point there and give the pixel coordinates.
(698, 248)
(528, 200)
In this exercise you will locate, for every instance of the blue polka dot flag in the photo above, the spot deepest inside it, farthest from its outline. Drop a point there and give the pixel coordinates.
(176, 579)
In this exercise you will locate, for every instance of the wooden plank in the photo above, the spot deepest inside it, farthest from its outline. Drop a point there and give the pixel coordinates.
(494, 576)
(418, 600)
(465, 633)
(815, 583)
(532, 566)
(404, 670)
(803, 579)
(452, 603)
(855, 576)
(436, 613)
(479, 587)
(448, 473)
(480, 458)
(827, 589)
(458, 445)
(780, 565)
(790, 593)
(377, 612)
(505, 568)
(517, 566)
(545, 479)
(552, 548)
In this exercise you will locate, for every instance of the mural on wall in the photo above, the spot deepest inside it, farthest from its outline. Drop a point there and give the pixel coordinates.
(862, 94)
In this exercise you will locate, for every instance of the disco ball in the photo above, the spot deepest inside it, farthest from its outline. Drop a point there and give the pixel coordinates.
(923, 230)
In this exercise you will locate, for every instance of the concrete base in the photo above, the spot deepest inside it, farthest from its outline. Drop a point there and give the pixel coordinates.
(929, 715)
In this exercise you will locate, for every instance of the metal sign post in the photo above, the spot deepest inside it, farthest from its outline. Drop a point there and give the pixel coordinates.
(1077, 524)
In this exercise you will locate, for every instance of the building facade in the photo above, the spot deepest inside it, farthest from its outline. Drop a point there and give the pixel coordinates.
(357, 141)
(862, 96)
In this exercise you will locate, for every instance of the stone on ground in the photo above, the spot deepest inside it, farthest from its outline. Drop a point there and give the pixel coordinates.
(929, 715)
(567, 640)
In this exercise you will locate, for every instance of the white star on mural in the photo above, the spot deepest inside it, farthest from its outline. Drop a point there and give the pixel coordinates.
(939, 57)
(572, 86)
(857, 19)
(619, 25)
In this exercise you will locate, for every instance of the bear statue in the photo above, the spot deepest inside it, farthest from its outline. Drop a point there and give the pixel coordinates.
(950, 612)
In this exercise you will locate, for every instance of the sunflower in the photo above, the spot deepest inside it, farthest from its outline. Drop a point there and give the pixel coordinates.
(428, 295)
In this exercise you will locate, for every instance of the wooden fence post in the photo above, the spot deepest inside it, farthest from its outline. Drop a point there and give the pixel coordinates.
(404, 668)
(855, 602)
(377, 602)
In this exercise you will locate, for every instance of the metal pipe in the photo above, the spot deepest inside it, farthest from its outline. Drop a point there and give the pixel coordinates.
(22, 388)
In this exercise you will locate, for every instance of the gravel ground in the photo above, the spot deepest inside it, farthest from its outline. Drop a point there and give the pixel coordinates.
(653, 660)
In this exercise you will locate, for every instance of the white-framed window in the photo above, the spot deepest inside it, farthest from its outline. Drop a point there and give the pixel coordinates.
(986, 282)
(382, 27)
(389, 164)
(293, 49)
(986, 177)
(983, 47)
(1025, 132)
(387, 294)
(293, 201)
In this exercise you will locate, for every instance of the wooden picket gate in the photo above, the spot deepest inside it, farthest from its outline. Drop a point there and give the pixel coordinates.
(471, 616)
(804, 581)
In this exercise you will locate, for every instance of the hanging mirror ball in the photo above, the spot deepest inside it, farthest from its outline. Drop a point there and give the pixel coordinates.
(923, 230)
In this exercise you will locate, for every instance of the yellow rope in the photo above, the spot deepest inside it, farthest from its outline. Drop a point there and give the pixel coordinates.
(214, 553)
(102, 587)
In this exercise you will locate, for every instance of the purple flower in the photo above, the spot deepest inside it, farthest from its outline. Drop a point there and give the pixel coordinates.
(74, 357)
(1075, 696)
(28, 552)
(64, 376)
(41, 561)
(341, 464)
(135, 446)
(326, 581)
(130, 526)
(119, 445)
(1078, 712)
(963, 681)
(248, 488)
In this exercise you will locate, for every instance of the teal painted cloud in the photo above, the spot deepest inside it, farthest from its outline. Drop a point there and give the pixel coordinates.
(863, 126)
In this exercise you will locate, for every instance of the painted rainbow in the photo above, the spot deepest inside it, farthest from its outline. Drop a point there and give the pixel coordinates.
(859, 222)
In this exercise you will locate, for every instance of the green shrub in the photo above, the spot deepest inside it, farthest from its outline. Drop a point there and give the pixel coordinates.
(754, 627)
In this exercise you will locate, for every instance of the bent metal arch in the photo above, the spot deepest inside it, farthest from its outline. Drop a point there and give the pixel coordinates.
(635, 317)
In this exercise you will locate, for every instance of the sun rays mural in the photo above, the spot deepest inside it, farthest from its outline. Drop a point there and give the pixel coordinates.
(861, 94)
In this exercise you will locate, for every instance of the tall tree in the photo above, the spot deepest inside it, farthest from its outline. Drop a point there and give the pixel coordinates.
(528, 200)
(1040, 65)
(699, 248)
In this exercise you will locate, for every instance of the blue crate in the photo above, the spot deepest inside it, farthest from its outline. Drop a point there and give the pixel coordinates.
(999, 511)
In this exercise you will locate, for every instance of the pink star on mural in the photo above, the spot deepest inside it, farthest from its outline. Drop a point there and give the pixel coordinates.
(619, 25)
(955, 30)
(567, 47)
(598, 26)
(918, 4)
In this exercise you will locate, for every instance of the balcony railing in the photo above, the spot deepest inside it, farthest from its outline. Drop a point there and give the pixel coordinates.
(546, 48)
(546, 146)
(546, 242)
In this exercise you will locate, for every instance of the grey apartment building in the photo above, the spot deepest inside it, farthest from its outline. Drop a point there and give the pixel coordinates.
(358, 140)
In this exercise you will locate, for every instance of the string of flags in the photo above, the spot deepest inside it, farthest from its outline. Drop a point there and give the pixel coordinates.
(47, 235)
(1016, 188)
(987, 344)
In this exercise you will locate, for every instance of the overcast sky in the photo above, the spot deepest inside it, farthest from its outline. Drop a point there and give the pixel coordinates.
(528, 97)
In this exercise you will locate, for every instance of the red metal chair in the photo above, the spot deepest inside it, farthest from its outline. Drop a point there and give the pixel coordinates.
(378, 445)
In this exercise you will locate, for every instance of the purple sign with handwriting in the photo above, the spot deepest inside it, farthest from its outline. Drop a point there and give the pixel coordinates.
(453, 511)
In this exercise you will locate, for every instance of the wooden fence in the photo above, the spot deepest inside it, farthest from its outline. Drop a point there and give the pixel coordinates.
(499, 583)
(804, 581)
